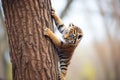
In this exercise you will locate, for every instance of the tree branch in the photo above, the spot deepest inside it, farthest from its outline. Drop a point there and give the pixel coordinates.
(67, 7)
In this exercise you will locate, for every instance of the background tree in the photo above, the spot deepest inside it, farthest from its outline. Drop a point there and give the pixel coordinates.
(32, 55)
(3, 46)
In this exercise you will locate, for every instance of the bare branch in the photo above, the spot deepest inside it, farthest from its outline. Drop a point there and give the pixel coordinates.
(67, 7)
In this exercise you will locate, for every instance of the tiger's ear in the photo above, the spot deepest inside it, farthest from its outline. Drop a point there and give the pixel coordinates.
(71, 24)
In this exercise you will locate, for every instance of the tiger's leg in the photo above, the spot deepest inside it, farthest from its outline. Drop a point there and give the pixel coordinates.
(52, 36)
(61, 76)
(60, 25)
(64, 67)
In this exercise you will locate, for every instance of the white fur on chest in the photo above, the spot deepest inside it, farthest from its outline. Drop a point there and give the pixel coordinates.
(59, 35)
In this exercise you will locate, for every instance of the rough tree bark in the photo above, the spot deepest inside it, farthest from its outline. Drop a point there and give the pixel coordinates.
(32, 55)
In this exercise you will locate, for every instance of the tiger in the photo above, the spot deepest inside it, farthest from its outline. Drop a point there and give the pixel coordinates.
(65, 42)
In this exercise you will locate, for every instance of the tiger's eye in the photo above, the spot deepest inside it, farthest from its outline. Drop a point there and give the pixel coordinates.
(79, 36)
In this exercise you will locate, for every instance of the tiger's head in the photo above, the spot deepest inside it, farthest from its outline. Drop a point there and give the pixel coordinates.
(72, 34)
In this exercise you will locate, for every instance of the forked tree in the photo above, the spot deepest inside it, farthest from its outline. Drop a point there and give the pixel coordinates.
(32, 55)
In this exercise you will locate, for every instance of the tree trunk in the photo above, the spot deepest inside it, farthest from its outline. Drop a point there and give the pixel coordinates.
(32, 55)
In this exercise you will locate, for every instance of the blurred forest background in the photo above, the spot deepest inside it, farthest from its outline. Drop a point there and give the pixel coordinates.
(97, 56)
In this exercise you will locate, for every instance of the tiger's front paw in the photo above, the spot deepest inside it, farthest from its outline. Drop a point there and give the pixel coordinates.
(52, 12)
(46, 31)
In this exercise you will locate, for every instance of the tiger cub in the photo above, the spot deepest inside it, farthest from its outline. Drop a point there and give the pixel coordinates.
(65, 42)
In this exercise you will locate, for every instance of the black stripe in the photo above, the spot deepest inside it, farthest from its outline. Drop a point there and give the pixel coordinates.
(56, 23)
(65, 61)
(59, 26)
(64, 65)
(62, 31)
(63, 68)
(63, 57)
(61, 43)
